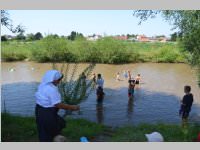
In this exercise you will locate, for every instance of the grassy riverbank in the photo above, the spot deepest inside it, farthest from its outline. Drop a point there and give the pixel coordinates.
(106, 50)
(15, 128)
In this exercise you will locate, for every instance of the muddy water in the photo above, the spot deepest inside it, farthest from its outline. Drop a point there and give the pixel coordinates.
(157, 99)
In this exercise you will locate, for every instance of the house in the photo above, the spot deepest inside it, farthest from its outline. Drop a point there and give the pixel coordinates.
(121, 37)
(143, 38)
(94, 37)
(9, 37)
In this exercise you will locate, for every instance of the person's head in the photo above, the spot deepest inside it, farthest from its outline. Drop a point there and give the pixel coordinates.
(52, 76)
(187, 89)
(56, 82)
(138, 74)
(99, 75)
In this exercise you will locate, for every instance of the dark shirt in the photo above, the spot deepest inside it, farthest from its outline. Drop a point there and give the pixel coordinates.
(187, 101)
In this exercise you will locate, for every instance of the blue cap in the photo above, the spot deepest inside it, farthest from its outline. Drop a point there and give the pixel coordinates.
(83, 139)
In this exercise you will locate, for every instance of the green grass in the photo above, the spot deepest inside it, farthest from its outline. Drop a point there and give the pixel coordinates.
(15, 128)
(171, 133)
(106, 50)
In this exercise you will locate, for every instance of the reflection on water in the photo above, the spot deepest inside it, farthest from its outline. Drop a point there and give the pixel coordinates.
(157, 99)
(130, 108)
(99, 112)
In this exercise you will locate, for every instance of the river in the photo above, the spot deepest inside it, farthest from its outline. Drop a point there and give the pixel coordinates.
(156, 100)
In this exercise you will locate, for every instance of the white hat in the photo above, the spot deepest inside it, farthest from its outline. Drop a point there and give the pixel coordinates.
(154, 137)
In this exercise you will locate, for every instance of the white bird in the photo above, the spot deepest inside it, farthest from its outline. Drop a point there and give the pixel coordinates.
(32, 68)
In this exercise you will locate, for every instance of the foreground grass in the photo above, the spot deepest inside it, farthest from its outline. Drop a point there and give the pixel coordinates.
(15, 128)
(107, 50)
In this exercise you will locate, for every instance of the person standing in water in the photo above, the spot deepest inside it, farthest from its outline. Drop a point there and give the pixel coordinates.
(125, 74)
(118, 76)
(137, 79)
(48, 102)
(131, 89)
(100, 81)
(94, 77)
(186, 105)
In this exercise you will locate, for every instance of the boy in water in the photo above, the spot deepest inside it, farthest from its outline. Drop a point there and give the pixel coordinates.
(137, 79)
(100, 81)
(131, 88)
(186, 104)
(100, 94)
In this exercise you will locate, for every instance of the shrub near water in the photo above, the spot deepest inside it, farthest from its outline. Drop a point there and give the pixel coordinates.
(15, 51)
(52, 49)
(105, 50)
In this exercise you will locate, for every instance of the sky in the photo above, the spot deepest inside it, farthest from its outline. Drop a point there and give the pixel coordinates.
(87, 22)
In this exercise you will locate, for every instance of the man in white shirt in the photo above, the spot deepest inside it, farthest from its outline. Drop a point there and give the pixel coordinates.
(100, 81)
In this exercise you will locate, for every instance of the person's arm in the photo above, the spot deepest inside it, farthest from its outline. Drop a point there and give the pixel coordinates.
(184, 100)
(67, 107)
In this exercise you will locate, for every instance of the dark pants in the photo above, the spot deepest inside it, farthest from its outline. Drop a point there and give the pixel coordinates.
(49, 123)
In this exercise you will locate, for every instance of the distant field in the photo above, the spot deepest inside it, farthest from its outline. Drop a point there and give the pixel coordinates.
(106, 50)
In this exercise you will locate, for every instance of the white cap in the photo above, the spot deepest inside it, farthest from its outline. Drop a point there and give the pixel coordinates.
(154, 137)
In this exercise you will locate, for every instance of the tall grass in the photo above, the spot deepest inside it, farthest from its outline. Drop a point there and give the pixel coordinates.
(105, 50)
(15, 51)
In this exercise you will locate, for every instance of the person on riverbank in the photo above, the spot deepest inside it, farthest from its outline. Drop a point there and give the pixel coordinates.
(48, 102)
(131, 89)
(186, 105)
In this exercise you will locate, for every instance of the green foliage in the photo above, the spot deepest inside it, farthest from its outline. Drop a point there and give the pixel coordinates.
(20, 37)
(74, 35)
(38, 36)
(22, 129)
(54, 49)
(4, 38)
(106, 50)
(11, 51)
(7, 22)
(74, 88)
(188, 23)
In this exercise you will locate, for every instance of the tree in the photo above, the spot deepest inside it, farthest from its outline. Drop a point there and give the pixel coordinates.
(3, 38)
(7, 22)
(174, 36)
(74, 35)
(30, 37)
(20, 37)
(38, 36)
(188, 24)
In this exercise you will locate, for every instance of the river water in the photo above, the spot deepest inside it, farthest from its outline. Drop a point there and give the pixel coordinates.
(156, 100)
